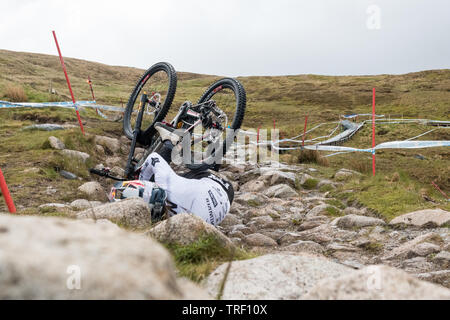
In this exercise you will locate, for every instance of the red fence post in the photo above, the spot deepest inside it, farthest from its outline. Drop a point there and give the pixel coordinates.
(68, 82)
(6, 194)
(304, 132)
(373, 131)
(92, 91)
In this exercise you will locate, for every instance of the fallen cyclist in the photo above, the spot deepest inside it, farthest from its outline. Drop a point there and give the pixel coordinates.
(199, 192)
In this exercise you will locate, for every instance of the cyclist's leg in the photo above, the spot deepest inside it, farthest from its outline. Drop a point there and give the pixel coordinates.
(211, 201)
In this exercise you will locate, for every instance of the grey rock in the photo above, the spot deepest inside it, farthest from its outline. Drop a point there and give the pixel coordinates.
(352, 220)
(81, 204)
(113, 161)
(441, 277)
(185, 229)
(55, 143)
(230, 220)
(93, 190)
(98, 252)
(273, 277)
(417, 264)
(443, 259)
(82, 156)
(305, 246)
(45, 127)
(281, 191)
(406, 250)
(132, 213)
(423, 218)
(111, 144)
(317, 210)
(68, 175)
(424, 249)
(253, 186)
(377, 283)
(259, 240)
(53, 205)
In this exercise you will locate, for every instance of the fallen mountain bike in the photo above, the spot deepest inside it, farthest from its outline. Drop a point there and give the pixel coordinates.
(210, 125)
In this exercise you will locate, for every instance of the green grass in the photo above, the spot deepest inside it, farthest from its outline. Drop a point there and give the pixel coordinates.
(198, 259)
(391, 197)
(310, 184)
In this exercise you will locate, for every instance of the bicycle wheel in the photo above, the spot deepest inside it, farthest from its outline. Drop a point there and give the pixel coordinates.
(230, 97)
(160, 83)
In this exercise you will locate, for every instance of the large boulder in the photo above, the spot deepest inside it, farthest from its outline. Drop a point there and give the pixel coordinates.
(185, 229)
(377, 283)
(130, 213)
(352, 220)
(272, 277)
(423, 218)
(54, 258)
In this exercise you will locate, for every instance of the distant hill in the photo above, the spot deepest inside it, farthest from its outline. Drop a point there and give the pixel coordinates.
(286, 98)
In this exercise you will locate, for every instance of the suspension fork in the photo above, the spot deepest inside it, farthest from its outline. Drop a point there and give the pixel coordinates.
(129, 169)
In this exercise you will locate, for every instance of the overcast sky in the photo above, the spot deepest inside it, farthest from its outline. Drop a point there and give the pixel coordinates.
(238, 37)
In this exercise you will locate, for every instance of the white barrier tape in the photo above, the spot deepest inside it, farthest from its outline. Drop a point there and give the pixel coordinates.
(90, 104)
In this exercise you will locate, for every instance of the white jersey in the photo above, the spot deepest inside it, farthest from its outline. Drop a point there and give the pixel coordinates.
(203, 197)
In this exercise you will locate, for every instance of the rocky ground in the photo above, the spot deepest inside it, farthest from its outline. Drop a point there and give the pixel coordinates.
(309, 245)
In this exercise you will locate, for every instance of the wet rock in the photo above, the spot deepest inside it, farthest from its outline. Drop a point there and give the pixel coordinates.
(279, 177)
